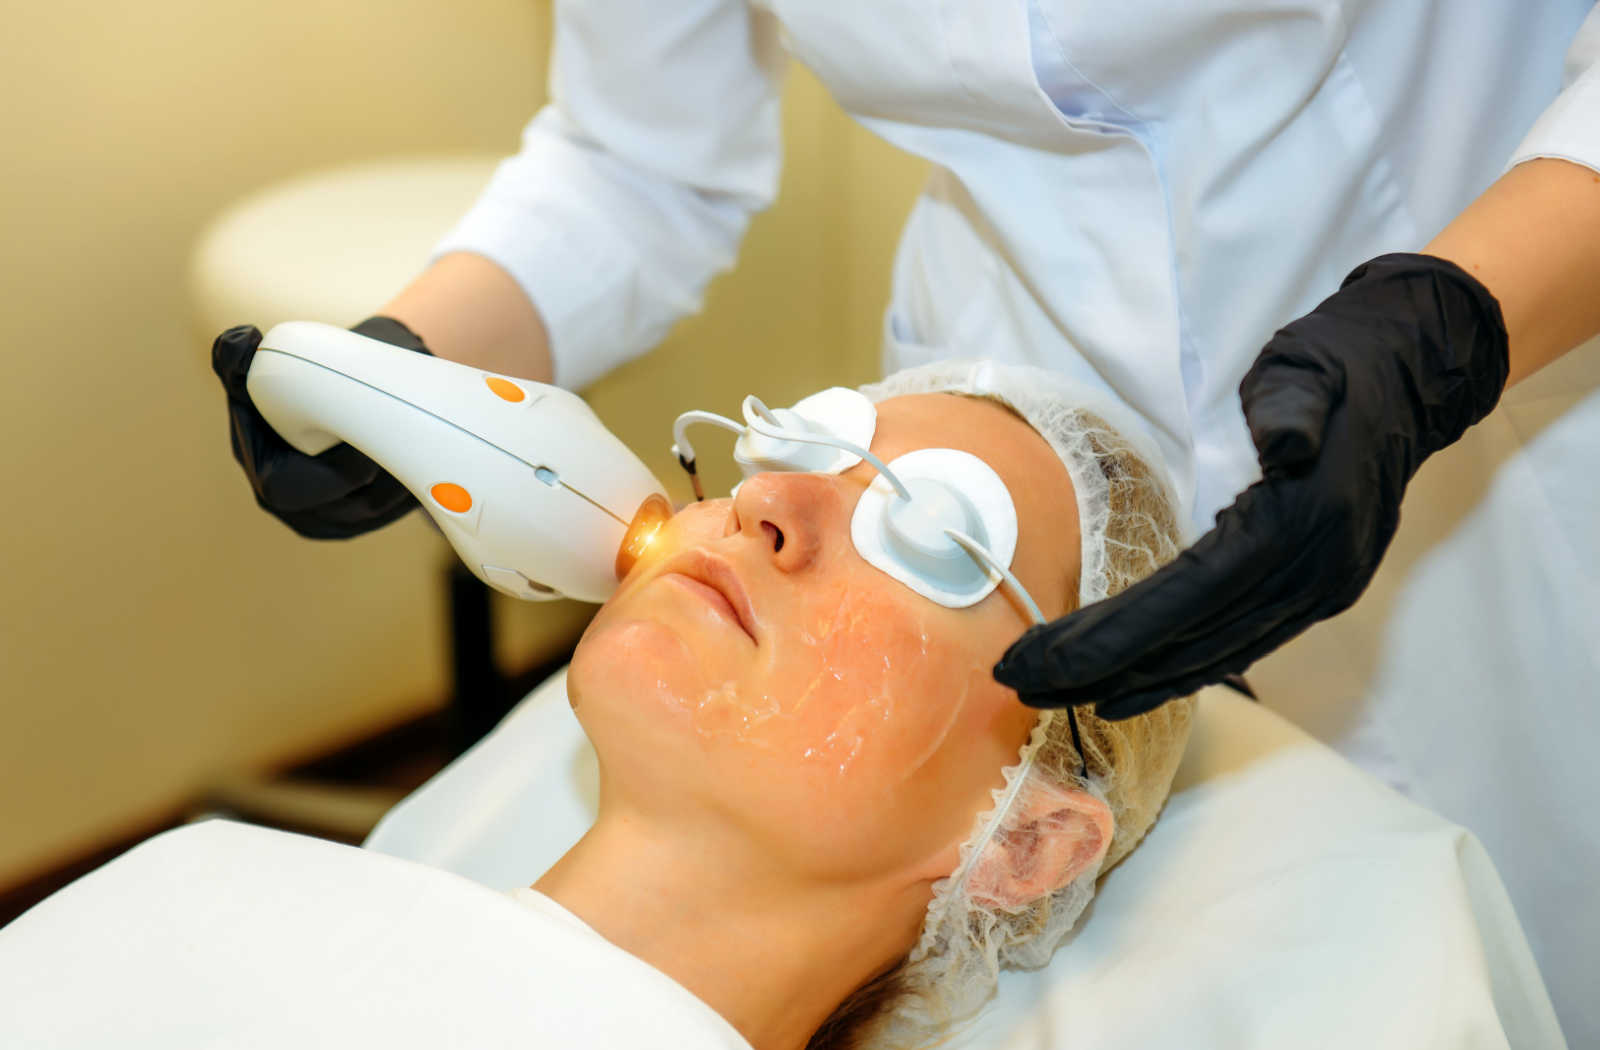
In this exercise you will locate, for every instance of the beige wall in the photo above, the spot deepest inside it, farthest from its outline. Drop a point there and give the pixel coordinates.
(157, 627)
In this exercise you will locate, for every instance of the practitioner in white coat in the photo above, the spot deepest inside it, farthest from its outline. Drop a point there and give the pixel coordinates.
(1138, 195)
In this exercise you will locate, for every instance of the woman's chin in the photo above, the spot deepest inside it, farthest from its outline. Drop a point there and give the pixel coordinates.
(634, 670)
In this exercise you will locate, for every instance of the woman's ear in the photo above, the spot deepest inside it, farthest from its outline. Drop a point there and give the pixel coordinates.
(1053, 835)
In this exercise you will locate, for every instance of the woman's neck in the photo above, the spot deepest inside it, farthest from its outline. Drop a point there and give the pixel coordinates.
(771, 954)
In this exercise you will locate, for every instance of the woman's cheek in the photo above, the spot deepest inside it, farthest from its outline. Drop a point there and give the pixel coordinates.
(874, 685)
(627, 665)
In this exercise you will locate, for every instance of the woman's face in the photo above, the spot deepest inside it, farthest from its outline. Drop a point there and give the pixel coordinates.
(755, 672)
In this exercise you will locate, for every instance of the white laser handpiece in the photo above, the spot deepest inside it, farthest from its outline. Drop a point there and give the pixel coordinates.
(529, 487)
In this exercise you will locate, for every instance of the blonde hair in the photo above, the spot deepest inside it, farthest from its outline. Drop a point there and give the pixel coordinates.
(1136, 758)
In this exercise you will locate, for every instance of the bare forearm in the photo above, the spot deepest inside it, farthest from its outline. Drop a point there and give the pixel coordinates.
(1533, 239)
(468, 309)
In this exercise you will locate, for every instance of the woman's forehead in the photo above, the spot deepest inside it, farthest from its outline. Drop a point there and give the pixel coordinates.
(985, 428)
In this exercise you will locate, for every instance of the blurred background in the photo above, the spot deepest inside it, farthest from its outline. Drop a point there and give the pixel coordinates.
(160, 634)
(165, 646)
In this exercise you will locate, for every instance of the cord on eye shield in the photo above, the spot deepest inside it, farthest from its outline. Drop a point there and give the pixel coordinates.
(685, 451)
(844, 414)
(754, 406)
(983, 557)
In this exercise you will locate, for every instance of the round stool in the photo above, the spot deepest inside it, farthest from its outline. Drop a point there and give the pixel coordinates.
(331, 245)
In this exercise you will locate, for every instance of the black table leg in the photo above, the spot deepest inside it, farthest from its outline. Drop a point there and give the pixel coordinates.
(478, 699)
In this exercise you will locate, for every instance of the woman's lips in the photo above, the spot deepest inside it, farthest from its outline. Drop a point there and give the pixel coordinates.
(710, 594)
(715, 581)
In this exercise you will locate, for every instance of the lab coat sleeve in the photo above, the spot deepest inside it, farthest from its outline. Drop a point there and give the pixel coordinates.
(1570, 128)
(634, 185)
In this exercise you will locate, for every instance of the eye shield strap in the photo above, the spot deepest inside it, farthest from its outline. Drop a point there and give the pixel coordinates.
(973, 548)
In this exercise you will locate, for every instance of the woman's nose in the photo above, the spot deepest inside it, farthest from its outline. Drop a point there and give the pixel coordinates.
(792, 515)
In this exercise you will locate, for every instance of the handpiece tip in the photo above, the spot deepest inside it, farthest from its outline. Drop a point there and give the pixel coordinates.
(642, 532)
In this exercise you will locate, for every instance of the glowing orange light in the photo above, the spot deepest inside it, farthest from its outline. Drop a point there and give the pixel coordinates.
(642, 532)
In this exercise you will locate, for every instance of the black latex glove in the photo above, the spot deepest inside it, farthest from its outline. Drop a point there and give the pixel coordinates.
(332, 496)
(1343, 406)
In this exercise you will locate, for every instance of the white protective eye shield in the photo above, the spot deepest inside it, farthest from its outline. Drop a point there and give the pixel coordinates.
(938, 520)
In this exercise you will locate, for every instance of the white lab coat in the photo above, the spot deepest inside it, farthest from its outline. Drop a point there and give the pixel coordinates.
(1137, 193)
(1134, 193)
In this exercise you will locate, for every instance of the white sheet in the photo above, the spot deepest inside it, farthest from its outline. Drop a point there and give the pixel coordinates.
(1284, 898)
(1471, 680)
(224, 935)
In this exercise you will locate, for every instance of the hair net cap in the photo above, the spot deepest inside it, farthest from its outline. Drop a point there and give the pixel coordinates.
(1128, 527)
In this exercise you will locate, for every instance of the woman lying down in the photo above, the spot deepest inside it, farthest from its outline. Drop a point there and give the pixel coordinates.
(822, 823)
(819, 812)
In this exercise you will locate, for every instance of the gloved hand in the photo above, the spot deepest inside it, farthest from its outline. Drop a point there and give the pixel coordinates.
(1343, 405)
(335, 495)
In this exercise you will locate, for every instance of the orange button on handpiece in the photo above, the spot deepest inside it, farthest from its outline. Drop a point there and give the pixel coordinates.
(505, 388)
(451, 497)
